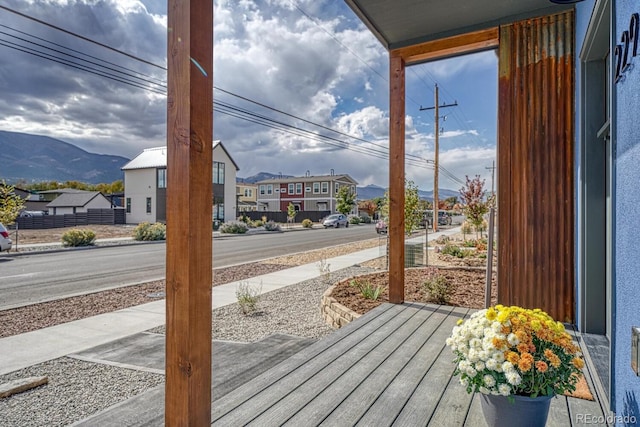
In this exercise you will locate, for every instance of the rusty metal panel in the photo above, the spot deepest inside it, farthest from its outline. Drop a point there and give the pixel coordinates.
(535, 165)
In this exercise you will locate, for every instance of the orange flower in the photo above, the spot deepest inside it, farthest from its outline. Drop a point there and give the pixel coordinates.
(525, 362)
(498, 343)
(577, 362)
(512, 357)
(523, 347)
(552, 358)
(541, 366)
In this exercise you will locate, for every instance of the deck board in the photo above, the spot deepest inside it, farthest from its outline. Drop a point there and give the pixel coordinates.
(389, 367)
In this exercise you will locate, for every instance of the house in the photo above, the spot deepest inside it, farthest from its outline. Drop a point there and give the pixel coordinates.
(145, 183)
(77, 202)
(568, 155)
(306, 193)
(247, 194)
(32, 200)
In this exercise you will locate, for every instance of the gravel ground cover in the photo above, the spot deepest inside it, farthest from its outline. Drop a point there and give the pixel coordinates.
(78, 389)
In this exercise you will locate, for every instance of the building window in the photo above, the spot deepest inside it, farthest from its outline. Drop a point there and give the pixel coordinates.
(128, 204)
(299, 188)
(316, 188)
(263, 190)
(337, 187)
(325, 187)
(218, 211)
(269, 189)
(148, 205)
(291, 188)
(248, 192)
(218, 173)
(162, 178)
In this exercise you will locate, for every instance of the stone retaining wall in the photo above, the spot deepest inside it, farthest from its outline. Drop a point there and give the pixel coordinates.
(335, 314)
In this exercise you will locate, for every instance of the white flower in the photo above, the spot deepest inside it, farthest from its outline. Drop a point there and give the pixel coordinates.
(480, 366)
(492, 364)
(489, 381)
(513, 377)
(504, 389)
(512, 339)
(464, 381)
(507, 367)
(484, 390)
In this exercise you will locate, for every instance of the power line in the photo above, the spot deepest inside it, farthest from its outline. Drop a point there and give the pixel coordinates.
(223, 108)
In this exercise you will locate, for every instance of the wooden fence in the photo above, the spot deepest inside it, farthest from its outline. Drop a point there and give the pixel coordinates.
(92, 216)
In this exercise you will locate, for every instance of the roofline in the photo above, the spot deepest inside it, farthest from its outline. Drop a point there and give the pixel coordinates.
(218, 142)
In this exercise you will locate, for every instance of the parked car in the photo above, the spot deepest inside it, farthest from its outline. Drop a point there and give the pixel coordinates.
(443, 219)
(5, 241)
(381, 227)
(335, 220)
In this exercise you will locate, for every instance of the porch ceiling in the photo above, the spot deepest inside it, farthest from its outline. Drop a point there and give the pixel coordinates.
(400, 23)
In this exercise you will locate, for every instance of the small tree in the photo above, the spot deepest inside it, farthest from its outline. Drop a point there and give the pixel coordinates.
(412, 207)
(474, 205)
(291, 212)
(10, 204)
(345, 200)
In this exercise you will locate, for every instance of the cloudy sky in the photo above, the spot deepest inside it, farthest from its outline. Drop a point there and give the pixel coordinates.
(311, 59)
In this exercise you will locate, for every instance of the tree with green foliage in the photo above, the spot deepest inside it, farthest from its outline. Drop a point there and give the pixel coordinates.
(291, 212)
(412, 207)
(472, 196)
(345, 200)
(10, 204)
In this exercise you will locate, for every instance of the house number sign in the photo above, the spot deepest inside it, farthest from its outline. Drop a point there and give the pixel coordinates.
(628, 49)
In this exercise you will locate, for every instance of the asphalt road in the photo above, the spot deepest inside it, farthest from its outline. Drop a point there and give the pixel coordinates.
(41, 277)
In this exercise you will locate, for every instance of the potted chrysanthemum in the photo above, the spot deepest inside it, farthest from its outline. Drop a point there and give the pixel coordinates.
(517, 359)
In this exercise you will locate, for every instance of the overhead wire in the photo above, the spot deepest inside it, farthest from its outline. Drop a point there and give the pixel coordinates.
(224, 108)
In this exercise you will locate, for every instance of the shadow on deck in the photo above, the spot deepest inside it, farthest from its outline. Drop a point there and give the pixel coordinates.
(389, 367)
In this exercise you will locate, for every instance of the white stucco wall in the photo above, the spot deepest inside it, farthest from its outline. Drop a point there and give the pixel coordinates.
(140, 184)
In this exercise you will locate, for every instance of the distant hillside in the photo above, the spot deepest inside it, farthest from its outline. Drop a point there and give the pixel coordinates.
(40, 158)
(261, 176)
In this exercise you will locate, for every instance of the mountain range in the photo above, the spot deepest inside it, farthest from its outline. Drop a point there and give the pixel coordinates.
(34, 158)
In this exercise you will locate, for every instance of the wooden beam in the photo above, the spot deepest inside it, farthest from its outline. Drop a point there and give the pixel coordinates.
(450, 46)
(396, 178)
(189, 208)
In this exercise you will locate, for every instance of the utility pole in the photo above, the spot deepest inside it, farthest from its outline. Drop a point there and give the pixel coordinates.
(493, 169)
(436, 117)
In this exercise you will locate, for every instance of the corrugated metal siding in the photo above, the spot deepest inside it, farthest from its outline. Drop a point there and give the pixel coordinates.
(535, 165)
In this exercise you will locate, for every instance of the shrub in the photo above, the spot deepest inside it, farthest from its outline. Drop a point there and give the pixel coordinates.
(148, 232)
(248, 297)
(455, 251)
(354, 220)
(307, 223)
(365, 218)
(77, 237)
(234, 227)
(325, 270)
(471, 243)
(366, 288)
(257, 223)
(437, 287)
(466, 227)
(271, 226)
(452, 250)
(442, 240)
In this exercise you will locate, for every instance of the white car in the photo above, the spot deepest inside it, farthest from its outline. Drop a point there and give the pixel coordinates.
(336, 220)
(5, 241)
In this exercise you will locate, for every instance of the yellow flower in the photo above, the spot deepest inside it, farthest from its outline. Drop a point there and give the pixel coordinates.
(459, 322)
(491, 314)
(577, 362)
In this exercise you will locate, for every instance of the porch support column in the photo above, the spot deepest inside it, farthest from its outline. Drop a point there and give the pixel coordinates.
(189, 209)
(396, 178)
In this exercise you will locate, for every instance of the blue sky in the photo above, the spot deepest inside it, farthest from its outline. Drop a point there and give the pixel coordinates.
(310, 58)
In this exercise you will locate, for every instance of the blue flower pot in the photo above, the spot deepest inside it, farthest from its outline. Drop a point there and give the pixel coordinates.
(522, 412)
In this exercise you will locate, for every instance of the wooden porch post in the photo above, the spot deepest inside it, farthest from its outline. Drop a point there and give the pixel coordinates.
(396, 178)
(189, 206)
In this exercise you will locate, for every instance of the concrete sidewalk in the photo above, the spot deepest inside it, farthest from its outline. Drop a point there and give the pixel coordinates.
(31, 348)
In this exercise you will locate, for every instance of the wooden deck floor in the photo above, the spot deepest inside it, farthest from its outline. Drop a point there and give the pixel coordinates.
(390, 367)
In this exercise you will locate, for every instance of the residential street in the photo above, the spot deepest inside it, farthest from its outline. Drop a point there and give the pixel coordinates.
(34, 278)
